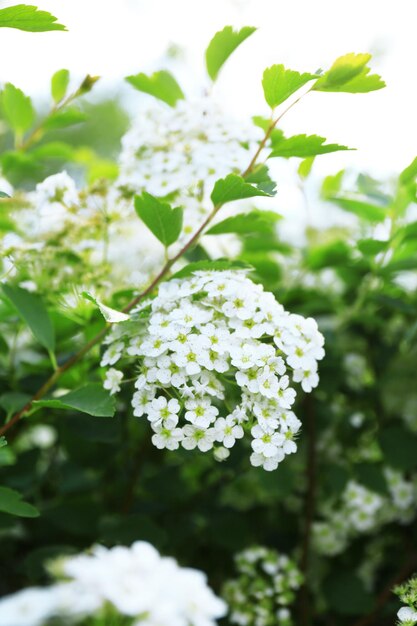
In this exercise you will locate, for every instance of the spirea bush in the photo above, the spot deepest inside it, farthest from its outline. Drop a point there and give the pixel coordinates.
(152, 310)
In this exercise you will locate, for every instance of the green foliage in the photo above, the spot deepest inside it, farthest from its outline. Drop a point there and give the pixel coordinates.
(91, 399)
(305, 167)
(234, 187)
(103, 479)
(162, 220)
(365, 210)
(162, 85)
(33, 311)
(28, 18)
(222, 45)
(302, 146)
(279, 84)
(11, 502)
(18, 109)
(219, 264)
(408, 175)
(64, 119)
(246, 223)
(59, 85)
(350, 74)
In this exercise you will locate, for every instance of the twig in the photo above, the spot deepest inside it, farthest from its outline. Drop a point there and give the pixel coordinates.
(309, 508)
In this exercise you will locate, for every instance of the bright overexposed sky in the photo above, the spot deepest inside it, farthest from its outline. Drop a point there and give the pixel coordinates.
(114, 38)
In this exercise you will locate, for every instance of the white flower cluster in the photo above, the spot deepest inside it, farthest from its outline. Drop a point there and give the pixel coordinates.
(264, 589)
(185, 148)
(216, 357)
(363, 510)
(407, 592)
(82, 236)
(135, 582)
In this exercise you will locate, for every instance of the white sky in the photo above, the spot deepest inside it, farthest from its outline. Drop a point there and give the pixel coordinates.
(114, 38)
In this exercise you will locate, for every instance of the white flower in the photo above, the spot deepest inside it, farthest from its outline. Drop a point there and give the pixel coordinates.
(227, 431)
(221, 454)
(308, 378)
(266, 442)
(155, 346)
(166, 437)
(141, 400)
(407, 614)
(163, 412)
(57, 188)
(112, 380)
(31, 607)
(200, 412)
(112, 354)
(200, 438)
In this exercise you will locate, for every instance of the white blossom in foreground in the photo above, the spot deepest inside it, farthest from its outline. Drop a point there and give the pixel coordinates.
(264, 590)
(225, 352)
(135, 582)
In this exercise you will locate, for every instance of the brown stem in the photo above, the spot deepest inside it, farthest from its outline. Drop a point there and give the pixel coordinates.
(268, 133)
(309, 509)
(95, 340)
(32, 137)
(386, 593)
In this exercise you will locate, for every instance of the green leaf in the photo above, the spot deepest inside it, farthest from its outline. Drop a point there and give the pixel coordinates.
(246, 223)
(400, 265)
(161, 219)
(3, 194)
(211, 266)
(279, 83)
(234, 187)
(54, 150)
(91, 399)
(332, 185)
(260, 177)
(350, 74)
(409, 174)
(303, 146)
(3, 442)
(11, 502)
(18, 109)
(371, 247)
(33, 311)
(28, 18)
(63, 119)
(222, 45)
(305, 166)
(59, 85)
(364, 210)
(161, 85)
(13, 401)
(110, 315)
(407, 232)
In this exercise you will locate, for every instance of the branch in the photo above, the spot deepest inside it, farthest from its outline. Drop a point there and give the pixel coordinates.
(386, 593)
(309, 507)
(163, 272)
